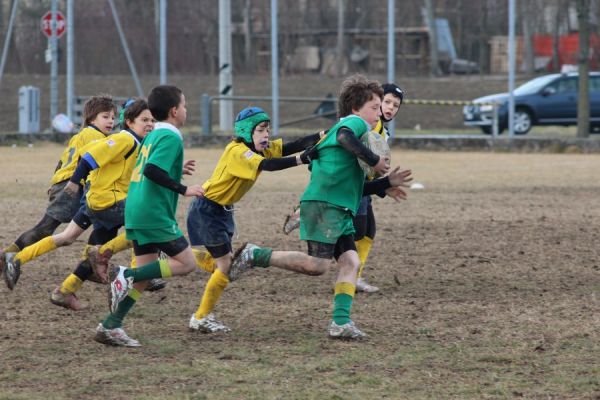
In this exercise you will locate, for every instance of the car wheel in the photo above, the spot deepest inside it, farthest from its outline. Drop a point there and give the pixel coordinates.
(523, 121)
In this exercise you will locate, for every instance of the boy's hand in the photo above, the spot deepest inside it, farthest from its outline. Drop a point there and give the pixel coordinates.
(396, 193)
(383, 166)
(194, 190)
(189, 166)
(400, 177)
(72, 189)
(309, 154)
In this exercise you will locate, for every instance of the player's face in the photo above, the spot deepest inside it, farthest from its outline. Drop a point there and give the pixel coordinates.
(104, 121)
(370, 111)
(260, 136)
(390, 106)
(142, 124)
(180, 113)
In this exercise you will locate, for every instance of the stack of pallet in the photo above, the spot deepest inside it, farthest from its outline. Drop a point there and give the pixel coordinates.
(499, 54)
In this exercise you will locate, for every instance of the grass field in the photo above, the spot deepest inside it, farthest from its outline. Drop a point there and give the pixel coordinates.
(489, 284)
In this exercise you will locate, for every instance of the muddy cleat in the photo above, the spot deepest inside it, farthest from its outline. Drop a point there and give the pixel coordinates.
(208, 324)
(119, 286)
(292, 221)
(242, 261)
(363, 286)
(68, 301)
(114, 337)
(99, 263)
(156, 284)
(12, 270)
(348, 331)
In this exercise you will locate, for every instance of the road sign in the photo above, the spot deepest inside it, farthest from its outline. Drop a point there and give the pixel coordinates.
(46, 24)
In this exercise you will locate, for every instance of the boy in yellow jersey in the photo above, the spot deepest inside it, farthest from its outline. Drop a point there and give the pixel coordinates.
(331, 200)
(364, 220)
(210, 219)
(98, 118)
(150, 214)
(109, 165)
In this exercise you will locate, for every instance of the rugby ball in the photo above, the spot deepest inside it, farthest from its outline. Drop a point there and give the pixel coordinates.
(378, 145)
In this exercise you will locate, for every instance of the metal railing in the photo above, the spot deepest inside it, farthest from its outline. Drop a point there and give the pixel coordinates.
(206, 108)
(207, 100)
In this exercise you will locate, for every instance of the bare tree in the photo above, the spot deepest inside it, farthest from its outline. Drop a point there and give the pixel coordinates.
(583, 101)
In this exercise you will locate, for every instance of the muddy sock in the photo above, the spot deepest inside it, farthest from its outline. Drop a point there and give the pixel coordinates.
(214, 287)
(262, 256)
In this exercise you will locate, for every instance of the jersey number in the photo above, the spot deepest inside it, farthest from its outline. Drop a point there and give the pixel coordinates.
(136, 174)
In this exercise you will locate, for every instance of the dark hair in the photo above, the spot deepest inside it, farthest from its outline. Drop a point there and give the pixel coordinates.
(133, 110)
(357, 90)
(161, 99)
(96, 105)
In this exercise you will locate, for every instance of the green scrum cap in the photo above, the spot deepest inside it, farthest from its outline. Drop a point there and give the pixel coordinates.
(247, 120)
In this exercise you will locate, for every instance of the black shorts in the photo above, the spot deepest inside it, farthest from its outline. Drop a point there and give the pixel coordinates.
(329, 250)
(170, 248)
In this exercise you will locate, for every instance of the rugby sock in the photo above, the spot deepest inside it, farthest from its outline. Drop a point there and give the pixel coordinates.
(116, 245)
(84, 254)
(214, 287)
(342, 302)
(29, 253)
(116, 320)
(262, 256)
(156, 269)
(204, 260)
(71, 285)
(12, 248)
(363, 247)
(133, 260)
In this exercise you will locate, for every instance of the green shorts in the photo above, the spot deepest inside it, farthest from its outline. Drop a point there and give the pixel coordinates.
(155, 235)
(324, 222)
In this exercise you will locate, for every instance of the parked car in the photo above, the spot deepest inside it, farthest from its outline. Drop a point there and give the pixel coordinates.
(546, 100)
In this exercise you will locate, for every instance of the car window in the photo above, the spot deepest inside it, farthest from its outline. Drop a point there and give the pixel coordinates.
(564, 85)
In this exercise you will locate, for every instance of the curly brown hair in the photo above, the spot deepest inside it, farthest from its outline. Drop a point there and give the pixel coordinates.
(96, 105)
(357, 90)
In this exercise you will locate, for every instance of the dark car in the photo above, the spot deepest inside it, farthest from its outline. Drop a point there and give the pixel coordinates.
(546, 100)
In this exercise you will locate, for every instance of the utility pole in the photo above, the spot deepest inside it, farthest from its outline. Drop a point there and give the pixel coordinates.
(583, 98)
(53, 42)
(225, 67)
(70, 58)
(340, 38)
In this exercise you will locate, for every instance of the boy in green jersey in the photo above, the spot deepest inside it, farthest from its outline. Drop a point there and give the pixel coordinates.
(150, 213)
(331, 200)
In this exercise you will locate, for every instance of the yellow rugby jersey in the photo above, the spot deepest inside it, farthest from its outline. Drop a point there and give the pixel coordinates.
(381, 129)
(113, 159)
(70, 156)
(236, 171)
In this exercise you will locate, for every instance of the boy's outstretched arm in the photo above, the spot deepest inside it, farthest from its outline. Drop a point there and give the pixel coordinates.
(302, 143)
(277, 164)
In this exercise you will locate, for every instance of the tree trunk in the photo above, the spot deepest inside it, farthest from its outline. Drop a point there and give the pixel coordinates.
(527, 21)
(583, 102)
(555, 37)
(434, 64)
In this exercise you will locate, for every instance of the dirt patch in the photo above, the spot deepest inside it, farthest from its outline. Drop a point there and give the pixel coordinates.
(488, 277)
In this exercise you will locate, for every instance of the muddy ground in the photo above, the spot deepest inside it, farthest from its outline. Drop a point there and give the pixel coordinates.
(489, 284)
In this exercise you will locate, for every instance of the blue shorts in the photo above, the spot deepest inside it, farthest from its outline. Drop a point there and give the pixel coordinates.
(210, 224)
(109, 218)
